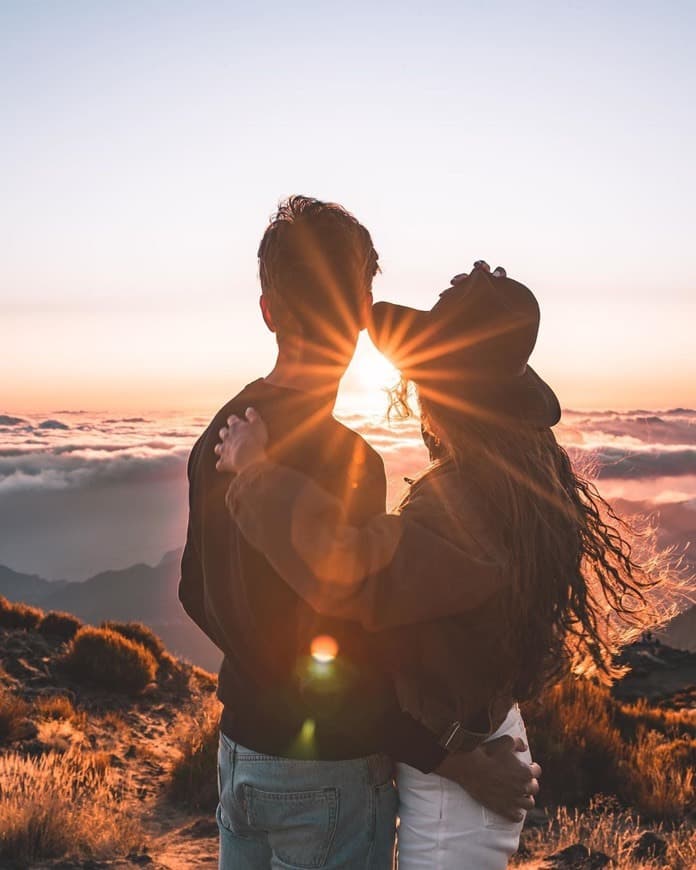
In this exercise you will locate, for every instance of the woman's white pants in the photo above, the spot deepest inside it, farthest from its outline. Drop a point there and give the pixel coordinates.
(442, 828)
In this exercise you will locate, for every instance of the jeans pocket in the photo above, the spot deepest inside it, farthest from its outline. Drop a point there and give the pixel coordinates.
(300, 824)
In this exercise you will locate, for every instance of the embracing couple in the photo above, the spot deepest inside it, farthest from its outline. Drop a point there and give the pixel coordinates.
(374, 661)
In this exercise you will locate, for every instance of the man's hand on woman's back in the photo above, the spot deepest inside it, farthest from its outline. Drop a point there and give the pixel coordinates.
(494, 776)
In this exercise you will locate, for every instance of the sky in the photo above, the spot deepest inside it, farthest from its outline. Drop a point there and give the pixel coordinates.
(145, 145)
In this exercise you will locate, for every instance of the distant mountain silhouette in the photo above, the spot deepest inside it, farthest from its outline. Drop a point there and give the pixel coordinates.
(145, 593)
(26, 587)
(148, 593)
(680, 633)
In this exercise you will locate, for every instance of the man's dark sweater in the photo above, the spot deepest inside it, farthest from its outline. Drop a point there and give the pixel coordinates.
(267, 684)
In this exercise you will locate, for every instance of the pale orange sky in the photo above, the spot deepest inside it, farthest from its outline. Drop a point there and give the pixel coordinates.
(148, 146)
(599, 357)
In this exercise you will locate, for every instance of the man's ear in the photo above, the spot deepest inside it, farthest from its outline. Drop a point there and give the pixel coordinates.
(366, 310)
(266, 313)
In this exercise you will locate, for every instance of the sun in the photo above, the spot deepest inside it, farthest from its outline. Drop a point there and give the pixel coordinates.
(369, 369)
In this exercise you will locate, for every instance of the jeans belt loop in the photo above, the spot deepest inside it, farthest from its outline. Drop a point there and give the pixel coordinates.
(380, 768)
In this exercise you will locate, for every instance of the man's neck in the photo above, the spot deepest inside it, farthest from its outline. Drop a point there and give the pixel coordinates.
(293, 374)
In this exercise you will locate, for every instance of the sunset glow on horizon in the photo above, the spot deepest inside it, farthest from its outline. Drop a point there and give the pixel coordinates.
(142, 164)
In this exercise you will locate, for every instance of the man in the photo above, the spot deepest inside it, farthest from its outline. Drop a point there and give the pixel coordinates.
(306, 742)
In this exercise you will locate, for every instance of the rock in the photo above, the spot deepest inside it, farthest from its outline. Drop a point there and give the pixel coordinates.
(577, 857)
(29, 671)
(598, 860)
(139, 858)
(536, 818)
(572, 856)
(25, 729)
(647, 846)
(200, 829)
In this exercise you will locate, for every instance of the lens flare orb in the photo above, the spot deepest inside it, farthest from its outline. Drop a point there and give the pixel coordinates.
(324, 649)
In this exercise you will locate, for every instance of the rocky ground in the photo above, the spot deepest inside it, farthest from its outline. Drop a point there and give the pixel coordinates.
(141, 738)
(663, 676)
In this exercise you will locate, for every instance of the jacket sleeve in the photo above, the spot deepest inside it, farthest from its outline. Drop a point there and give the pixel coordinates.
(398, 569)
(191, 586)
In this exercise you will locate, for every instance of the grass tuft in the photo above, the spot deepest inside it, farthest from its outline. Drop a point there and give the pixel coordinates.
(62, 804)
(108, 659)
(58, 624)
(193, 780)
(18, 615)
(138, 633)
(13, 711)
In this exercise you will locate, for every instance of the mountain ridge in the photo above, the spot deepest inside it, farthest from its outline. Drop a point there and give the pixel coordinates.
(143, 593)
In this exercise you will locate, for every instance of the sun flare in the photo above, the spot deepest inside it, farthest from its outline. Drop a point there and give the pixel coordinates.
(370, 369)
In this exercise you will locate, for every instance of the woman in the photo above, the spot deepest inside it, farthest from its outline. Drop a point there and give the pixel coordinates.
(495, 575)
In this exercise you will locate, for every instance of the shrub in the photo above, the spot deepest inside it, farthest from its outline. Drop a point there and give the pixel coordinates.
(139, 633)
(56, 623)
(15, 615)
(55, 707)
(13, 710)
(194, 776)
(205, 678)
(174, 674)
(109, 660)
(59, 805)
(589, 744)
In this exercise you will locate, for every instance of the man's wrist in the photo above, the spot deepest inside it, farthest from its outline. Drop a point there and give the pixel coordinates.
(456, 766)
(258, 459)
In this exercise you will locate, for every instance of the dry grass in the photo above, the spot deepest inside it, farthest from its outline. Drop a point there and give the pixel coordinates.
(58, 624)
(606, 828)
(68, 804)
(590, 744)
(61, 735)
(13, 710)
(138, 633)
(108, 659)
(193, 778)
(18, 615)
(111, 720)
(205, 678)
(55, 707)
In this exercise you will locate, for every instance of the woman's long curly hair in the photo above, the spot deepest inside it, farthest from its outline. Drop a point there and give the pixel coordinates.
(576, 591)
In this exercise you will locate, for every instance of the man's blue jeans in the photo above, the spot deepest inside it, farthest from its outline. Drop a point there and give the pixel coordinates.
(285, 813)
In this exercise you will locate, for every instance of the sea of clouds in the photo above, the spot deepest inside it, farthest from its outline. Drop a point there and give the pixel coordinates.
(81, 492)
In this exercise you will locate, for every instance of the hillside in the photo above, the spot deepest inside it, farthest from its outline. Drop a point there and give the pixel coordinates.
(145, 593)
(91, 772)
(108, 745)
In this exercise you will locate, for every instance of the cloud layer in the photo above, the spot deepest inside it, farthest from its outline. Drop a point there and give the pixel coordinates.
(82, 492)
